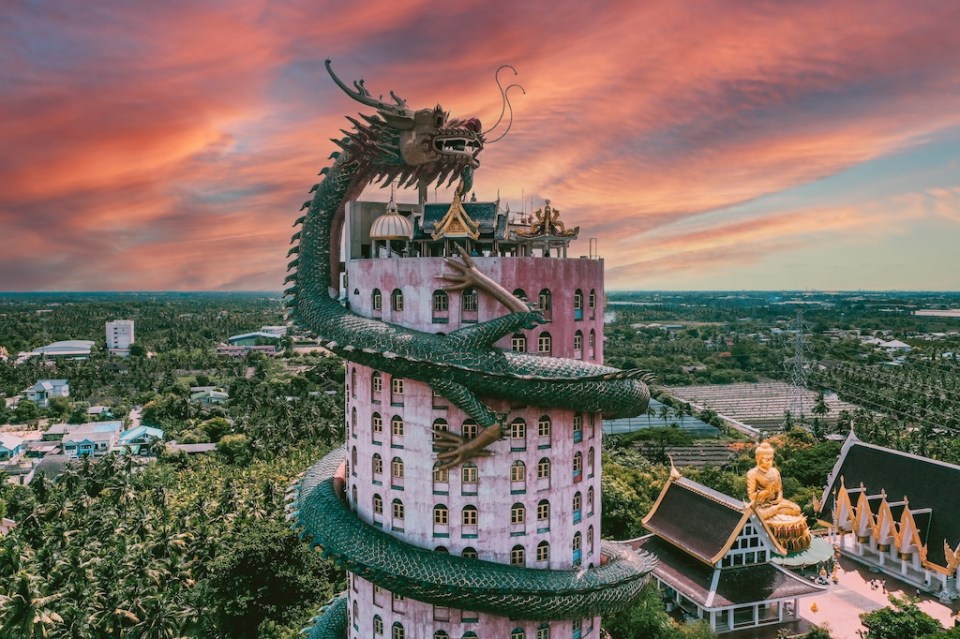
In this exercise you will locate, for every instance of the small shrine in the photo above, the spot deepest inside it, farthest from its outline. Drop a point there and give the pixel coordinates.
(722, 573)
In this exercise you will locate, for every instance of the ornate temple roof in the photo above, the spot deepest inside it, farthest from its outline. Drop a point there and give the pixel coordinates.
(733, 587)
(679, 513)
(489, 220)
(887, 477)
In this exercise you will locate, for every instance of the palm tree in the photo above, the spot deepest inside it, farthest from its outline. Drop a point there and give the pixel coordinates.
(25, 613)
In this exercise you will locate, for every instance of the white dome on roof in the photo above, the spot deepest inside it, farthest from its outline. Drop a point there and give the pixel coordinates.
(391, 225)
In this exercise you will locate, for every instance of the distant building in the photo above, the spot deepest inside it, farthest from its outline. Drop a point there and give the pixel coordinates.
(137, 440)
(119, 337)
(43, 391)
(897, 513)
(72, 348)
(719, 573)
(210, 397)
(242, 351)
(255, 338)
(95, 439)
(11, 446)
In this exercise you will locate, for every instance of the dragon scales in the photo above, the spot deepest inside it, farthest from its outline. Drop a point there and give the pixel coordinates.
(418, 148)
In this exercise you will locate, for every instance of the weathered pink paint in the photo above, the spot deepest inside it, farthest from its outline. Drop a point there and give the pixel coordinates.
(494, 495)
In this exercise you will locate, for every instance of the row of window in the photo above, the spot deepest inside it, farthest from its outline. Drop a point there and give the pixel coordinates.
(397, 631)
(441, 300)
(468, 471)
(470, 515)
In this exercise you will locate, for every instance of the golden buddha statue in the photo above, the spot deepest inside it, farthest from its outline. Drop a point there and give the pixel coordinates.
(765, 491)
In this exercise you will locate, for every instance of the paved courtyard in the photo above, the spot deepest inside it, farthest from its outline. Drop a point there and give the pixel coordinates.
(841, 605)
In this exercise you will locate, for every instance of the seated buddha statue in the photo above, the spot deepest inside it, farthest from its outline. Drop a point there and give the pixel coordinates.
(765, 487)
(783, 518)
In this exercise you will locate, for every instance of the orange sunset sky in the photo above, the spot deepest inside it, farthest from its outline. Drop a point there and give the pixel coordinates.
(707, 145)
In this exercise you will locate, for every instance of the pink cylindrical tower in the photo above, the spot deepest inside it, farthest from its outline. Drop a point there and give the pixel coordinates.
(533, 502)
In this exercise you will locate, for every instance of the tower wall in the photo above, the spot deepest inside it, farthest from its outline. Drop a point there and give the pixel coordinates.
(502, 490)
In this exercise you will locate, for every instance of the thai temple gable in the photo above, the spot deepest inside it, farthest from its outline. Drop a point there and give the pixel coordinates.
(909, 537)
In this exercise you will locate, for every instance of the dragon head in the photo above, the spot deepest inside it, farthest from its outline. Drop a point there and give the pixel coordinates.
(417, 147)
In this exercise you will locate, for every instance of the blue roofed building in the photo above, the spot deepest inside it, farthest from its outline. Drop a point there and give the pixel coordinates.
(137, 441)
(94, 439)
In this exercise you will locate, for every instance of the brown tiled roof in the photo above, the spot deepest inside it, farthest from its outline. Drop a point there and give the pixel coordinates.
(694, 518)
(735, 587)
(926, 483)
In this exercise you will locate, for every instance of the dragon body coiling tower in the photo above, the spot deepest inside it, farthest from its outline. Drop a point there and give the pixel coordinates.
(466, 501)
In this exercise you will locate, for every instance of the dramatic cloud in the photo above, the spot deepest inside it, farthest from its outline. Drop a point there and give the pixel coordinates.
(168, 145)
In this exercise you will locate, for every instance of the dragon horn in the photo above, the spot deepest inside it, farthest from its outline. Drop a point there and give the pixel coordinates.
(363, 96)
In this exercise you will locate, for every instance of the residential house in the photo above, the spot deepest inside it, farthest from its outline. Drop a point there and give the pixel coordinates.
(93, 439)
(210, 397)
(11, 446)
(137, 440)
(43, 391)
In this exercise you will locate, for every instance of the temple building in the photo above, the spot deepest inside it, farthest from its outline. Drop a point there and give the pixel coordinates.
(897, 513)
(719, 573)
(535, 501)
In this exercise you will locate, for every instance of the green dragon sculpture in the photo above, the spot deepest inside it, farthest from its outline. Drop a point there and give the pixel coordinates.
(463, 366)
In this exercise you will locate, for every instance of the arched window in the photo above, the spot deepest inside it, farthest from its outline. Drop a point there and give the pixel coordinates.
(590, 455)
(396, 299)
(356, 612)
(543, 551)
(439, 426)
(353, 422)
(469, 475)
(441, 301)
(577, 506)
(577, 428)
(578, 304)
(377, 625)
(518, 343)
(544, 343)
(543, 631)
(440, 476)
(543, 515)
(543, 468)
(376, 385)
(470, 552)
(396, 468)
(518, 514)
(544, 426)
(590, 501)
(470, 301)
(377, 505)
(398, 510)
(592, 299)
(441, 634)
(578, 343)
(353, 494)
(469, 517)
(377, 465)
(518, 473)
(377, 300)
(577, 466)
(592, 350)
(396, 390)
(376, 427)
(470, 429)
(517, 556)
(353, 461)
(442, 550)
(353, 382)
(590, 540)
(517, 633)
(441, 517)
(520, 294)
(544, 301)
(518, 434)
(397, 631)
(577, 548)
(396, 426)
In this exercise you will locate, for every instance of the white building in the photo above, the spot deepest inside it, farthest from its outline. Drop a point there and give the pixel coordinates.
(120, 337)
(41, 392)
